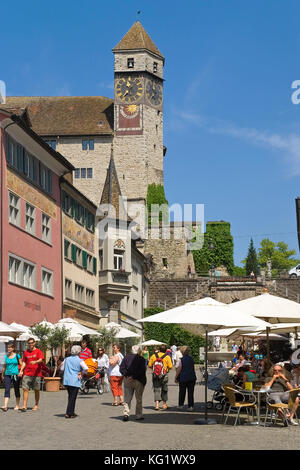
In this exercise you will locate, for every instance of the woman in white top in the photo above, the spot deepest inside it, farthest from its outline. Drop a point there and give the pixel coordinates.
(115, 376)
(103, 365)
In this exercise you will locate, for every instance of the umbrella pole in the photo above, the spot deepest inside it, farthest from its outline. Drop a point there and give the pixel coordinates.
(205, 420)
(268, 347)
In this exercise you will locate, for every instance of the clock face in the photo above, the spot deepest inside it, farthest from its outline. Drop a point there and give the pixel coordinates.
(129, 89)
(154, 92)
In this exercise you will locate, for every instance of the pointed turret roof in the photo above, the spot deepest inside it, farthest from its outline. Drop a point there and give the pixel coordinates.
(111, 193)
(137, 38)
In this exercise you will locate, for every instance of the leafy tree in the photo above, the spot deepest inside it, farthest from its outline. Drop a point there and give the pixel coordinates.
(217, 235)
(239, 271)
(108, 337)
(278, 253)
(41, 332)
(251, 262)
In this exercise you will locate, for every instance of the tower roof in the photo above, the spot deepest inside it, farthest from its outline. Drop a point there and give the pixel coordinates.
(137, 38)
(112, 195)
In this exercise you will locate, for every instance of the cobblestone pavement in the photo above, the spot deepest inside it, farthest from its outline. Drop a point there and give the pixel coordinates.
(99, 425)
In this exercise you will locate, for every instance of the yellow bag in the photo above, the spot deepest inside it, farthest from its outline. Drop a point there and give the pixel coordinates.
(92, 365)
(249, 386)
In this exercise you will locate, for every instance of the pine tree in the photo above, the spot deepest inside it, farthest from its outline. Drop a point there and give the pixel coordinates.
(251, 261)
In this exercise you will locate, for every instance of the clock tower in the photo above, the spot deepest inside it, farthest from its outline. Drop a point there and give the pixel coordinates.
(138, 113)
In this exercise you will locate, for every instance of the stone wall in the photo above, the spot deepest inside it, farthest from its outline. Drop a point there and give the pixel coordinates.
(287, 288)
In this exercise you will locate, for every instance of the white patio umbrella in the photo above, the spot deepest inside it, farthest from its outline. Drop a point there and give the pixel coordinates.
(26, 332)
(6, 339)
(210, 315)
(8, 330)
(152, 342)
(270, 308)
(76, 330)
(122, 332)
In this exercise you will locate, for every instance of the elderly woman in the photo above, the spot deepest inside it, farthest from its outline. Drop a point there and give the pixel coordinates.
(115, 376)
(73, 368)
(186, 376)
(279, 385)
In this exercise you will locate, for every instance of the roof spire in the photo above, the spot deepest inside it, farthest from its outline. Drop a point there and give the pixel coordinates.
(137, 38)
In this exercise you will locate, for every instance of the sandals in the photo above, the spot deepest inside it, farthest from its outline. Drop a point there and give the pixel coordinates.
(35, 408)
(3, 408)
(164, 407)
(115, 404)
(23, 409)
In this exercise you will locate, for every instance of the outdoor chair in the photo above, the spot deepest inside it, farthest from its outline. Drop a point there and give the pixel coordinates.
(272, 409)
(237, 406)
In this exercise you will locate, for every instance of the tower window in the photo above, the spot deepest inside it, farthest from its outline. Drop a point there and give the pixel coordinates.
(165, 262)
(155, 66)
(130, 63)
(87, 144)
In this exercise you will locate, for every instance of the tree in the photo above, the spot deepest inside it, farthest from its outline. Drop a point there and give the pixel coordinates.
(251, 262)
(278, 253)
(108, 336)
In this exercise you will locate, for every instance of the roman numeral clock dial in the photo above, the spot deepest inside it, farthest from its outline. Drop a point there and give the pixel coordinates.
(129, 89)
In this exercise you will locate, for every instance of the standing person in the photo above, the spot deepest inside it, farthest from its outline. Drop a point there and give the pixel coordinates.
(115, 376)
(161, 363)
(10, 374)
(86, 353)
(186, 376)
(234, 348)
(103, 366)
(31, 373)
(73, 368)
(146, 355)
(134, 371)
(178, 355)
(173, 349)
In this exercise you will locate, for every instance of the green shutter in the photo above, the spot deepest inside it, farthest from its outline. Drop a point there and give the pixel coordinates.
(84, 259)
(66, 248)
(73, 253)
(94, 265)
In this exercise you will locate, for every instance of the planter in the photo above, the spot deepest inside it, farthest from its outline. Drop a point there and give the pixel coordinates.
(52, 384)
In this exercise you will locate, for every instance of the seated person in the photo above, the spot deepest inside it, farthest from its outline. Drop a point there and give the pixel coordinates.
(239, 363)
(248, 375)
(295, 382)
(279, 385)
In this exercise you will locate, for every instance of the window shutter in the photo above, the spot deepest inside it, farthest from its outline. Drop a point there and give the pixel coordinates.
(95, 265)
(84, 259)
(63, 200)
(66, 246)
(73, 253)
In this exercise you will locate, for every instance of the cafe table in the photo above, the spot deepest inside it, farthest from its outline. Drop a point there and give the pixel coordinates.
(259, 393)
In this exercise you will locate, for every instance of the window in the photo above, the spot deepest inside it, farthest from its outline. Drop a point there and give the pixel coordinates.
(89, 172)
(45, 178)
(51, 143)
(46, 228)
(130, 63)
(83, 172)
(165, 262)
(155, 66)
(14, 265)
(14, 209)
(89, 263)
(68, 289)
(88, 144)
(101, 260)
(118, 259)
(79, 293)
(67, 250)
(28, 275)
(78, 256)
(47, 281)
(77, 173)
(90, 297)
(30, 219)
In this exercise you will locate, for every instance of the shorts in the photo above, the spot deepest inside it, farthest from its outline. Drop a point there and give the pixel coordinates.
(31, 382)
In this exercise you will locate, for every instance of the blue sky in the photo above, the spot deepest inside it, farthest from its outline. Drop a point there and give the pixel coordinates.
(231, 129)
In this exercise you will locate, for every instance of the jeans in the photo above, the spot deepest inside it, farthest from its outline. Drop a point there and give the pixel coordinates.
(189, 386)
(72, 395)
(12, 379)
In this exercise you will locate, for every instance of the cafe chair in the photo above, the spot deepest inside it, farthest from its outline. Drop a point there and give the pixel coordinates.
(272, 409)
(237, 406)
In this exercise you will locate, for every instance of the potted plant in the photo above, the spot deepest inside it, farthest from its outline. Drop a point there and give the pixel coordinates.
(50, 339)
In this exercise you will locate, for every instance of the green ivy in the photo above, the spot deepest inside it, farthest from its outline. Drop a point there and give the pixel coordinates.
(171, 334)
(156, 195)
(217, 233)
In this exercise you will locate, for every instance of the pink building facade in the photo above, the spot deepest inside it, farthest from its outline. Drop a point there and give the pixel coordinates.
(30, 231)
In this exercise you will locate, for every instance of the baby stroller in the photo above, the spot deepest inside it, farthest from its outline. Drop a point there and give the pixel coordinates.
(215, 382)
(91, 379)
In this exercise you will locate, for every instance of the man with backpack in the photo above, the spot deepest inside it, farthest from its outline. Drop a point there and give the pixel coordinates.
(160, 363)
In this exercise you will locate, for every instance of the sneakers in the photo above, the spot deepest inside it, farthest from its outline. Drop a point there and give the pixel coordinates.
(190, 408)
(125, 418)
(180, 408)
(293, 422)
